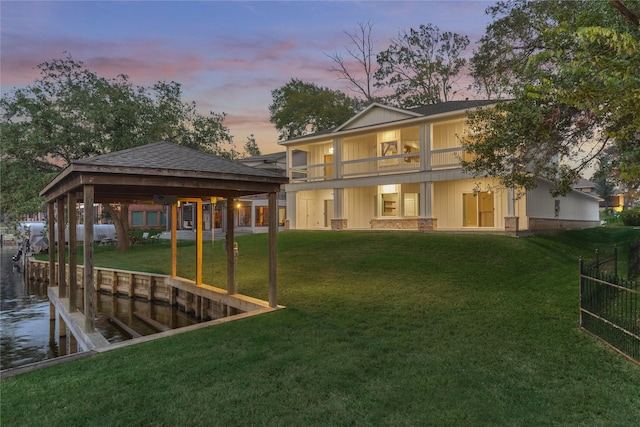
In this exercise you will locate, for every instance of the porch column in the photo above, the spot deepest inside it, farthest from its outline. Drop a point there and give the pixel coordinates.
(337, 158)
(52, 245)
(338, 222)
(290, 222)
(62, 265)
(89, 285)
(273, 250)
(73, 250)
(425, 147)
(231, 260)
(511, 221)
(426, 221)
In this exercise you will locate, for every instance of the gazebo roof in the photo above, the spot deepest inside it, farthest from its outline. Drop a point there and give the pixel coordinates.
(143, 173)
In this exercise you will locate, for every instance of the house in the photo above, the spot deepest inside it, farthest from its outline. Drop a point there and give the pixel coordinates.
(252, 210)
(392, 168)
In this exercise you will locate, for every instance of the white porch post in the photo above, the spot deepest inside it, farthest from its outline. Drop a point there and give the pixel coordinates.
(426, 221)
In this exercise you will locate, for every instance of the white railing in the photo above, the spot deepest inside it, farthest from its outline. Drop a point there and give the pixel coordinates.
(376, 166)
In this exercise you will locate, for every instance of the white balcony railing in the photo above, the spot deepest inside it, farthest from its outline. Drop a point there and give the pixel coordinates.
(376, 166)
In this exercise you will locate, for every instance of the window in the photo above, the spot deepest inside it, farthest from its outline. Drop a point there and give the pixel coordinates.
(282, 215)
(262, 216)
(477, 209)
(390, 204)
(163, 218)
(152, 218)
(137, 219)
(244, 216)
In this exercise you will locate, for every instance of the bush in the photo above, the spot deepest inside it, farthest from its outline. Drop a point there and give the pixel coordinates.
(631, 216)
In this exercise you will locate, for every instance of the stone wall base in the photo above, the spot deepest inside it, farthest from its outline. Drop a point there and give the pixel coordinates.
(338, 224)
(394, 224)
(511, 224)
(287, 224)
(427, 224)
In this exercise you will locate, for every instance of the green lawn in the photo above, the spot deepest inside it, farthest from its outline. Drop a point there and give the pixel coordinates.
(380, 329)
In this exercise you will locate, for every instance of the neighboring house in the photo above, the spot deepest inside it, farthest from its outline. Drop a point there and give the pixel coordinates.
(391, 168)
(615, 201)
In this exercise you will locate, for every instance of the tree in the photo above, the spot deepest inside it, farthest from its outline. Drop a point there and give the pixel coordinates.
(71, 113)
(299, 108)
(575, 91)
(422, 66)
(602, 179)
(361, 78)
(251, 148)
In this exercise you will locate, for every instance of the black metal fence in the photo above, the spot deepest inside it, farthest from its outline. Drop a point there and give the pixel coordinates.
(633, 265)
(610, 309)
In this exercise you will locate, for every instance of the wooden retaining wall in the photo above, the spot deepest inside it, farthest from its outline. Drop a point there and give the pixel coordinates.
(202, 302)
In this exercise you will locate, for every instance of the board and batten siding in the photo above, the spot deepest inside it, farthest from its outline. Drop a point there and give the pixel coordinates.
(447, 202)
(575, 205)
(377, 116)
(358, 207)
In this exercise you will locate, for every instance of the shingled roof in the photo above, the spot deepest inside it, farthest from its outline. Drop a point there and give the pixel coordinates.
(162, 168)
(168, 156)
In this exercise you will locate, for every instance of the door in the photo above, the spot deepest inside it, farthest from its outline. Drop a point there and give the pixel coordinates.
(328, 213)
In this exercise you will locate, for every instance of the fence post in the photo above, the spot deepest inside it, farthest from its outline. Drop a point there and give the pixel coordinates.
(580, 267)
(615, 261)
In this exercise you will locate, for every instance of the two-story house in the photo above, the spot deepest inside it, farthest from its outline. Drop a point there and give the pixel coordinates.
(391, 168)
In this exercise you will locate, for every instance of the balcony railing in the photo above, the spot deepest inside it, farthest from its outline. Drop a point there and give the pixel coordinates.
(377, 166)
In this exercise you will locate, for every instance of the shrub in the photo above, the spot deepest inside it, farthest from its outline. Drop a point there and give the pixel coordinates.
(631, 216)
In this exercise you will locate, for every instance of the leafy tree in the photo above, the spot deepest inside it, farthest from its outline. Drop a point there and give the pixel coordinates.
(299, 108)
(361, 77)
(422, 66)
(251, 148)
(602, 178)
(572, 73)
(71, 113)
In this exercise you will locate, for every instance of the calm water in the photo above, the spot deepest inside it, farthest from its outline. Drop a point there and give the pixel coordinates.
(25, 329)
(24, 317)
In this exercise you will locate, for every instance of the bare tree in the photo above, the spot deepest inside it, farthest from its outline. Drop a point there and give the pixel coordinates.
(361, 50)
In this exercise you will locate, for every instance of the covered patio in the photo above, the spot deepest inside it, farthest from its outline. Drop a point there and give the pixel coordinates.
(162, 173)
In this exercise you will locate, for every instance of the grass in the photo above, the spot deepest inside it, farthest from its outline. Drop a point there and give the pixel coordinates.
(380, 329)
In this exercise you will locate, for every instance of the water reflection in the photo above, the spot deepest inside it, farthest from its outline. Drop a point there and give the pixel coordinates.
(27, 335)
(24, 317)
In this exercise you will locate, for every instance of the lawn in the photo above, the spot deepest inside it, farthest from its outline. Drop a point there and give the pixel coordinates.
(380, 329)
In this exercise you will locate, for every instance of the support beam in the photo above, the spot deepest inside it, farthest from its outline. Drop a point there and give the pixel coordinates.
(62, 264)
(51, 220)
(89, 285)
(174, 240)
(231, 259)
(198, 221)
(73, 250)
(273, 250)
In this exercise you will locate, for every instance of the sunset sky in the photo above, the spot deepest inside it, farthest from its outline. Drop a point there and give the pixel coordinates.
(227, 55)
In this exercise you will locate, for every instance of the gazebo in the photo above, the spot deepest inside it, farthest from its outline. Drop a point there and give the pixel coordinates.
(163, 173)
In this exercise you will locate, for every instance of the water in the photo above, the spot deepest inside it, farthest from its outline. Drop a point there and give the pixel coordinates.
(28, 336)
(24, 317)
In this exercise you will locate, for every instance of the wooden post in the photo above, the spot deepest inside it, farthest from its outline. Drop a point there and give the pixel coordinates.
(231, 260)
(174, 240)
(73, 250)
(62, 265)
(273, 250)
(52, 244)
(89, 285)
(198, 220)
